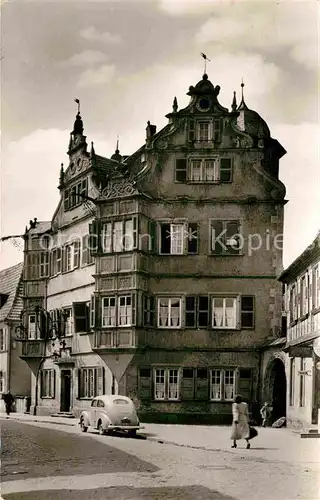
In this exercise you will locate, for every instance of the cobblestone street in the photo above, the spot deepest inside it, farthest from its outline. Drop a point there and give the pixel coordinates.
(197, 464)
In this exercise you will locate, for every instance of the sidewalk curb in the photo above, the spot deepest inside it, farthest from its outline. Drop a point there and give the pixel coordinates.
(36, 420)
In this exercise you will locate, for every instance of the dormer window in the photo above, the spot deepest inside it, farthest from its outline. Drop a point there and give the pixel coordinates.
(73, 196)
(204, 131)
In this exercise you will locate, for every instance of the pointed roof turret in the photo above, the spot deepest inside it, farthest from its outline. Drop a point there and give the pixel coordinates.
(175, 105)
(250, 121)
(234, 102)
(117, 156)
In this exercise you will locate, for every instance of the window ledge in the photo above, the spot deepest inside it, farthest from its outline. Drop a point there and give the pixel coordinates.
(81, 333)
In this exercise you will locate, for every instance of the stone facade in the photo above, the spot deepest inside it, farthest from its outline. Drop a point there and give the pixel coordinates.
(184, 257)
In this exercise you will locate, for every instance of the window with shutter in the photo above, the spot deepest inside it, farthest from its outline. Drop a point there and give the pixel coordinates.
(80, 314)
(217, 130)
(225, 170)
(187, 384)
(193, 238)
(100, 381)
(148, 310)
(191, 130)
(92, 311)
(181, 170)
(225, 237)
(202, 384)
(203, 311)
(190, 305)
(245, 383)
(152, 244)
(145, 383)
(76, 254)
(247, 312)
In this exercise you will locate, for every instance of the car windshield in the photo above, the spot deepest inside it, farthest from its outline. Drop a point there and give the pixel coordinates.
(120, 402)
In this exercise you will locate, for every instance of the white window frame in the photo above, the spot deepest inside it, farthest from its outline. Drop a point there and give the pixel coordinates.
(109, 320)
(120, 235)
(170, 316)
(68, 322)
(177, 245)
(203, 170)
(224, 325)
(223, 373)
(32, 331)
(126, 318)
(44, 264)
(162, 390)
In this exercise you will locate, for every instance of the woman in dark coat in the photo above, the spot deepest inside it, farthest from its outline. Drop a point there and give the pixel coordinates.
(8, 401)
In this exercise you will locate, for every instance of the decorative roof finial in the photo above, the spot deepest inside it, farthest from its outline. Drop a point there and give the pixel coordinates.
(205, 63)
(175, 105)
(117, 148)
(61, 178)
(242, 85)
(92, 149)
(78, 102)
(234, 101)
(78, 124)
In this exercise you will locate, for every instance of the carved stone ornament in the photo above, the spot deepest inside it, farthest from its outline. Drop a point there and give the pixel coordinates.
(119, 189)
(162, 144)
(247, 142)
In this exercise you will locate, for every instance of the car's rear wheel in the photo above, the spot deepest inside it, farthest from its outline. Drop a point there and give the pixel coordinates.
(83, 427)
(132, 432)
(101, 430)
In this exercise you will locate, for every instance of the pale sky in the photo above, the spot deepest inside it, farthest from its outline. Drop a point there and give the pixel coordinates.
(126, 61)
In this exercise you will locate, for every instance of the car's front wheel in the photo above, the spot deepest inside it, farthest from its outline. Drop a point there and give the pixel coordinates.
(101, 430)
(132, 433)
(83, 427)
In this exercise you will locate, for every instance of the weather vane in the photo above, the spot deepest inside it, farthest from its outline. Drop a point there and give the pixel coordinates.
(205, 61)
(78, 102)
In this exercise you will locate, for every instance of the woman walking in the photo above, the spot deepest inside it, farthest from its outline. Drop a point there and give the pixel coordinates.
(240, 424)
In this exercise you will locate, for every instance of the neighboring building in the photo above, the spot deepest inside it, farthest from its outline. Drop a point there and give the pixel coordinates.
(302, 306)
(14, 374)
(181, 305)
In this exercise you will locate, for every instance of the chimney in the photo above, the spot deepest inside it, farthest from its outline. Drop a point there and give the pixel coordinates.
(150, 130)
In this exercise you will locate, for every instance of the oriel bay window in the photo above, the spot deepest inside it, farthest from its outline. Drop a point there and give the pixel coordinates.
(120, 236)
(166, 384)
(178, 238)
(203, 169)
(222, 384)
(169, 312)
(118, 310)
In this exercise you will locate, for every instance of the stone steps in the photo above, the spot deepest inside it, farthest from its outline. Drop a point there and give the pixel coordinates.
(63, 414)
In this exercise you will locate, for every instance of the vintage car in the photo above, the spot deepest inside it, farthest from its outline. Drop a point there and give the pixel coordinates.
(110, 413)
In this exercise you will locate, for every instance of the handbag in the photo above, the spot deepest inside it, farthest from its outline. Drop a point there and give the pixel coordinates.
(252, 432)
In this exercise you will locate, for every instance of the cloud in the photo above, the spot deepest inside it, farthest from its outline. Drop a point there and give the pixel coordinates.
(85, 58)
(92, 77)
(271, 27)
(91, 33)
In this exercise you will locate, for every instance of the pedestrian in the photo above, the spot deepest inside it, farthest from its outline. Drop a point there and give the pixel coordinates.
(8, 401)
(240, 424)
(265, 413)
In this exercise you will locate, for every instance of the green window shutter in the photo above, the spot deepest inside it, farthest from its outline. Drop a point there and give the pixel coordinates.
(232, 241)
(245, 383)
(247, 312)
(193, 238)
(190, 311)
(187, 384)
(135, 223)
(202, 384)
(152, 236)
(92, 311)
(191, 130)
(53, 384)
(217, 241)
(181, 170)
(145, 383)
(217, 123)
(134, 308)
(225, 170)
(100, 380)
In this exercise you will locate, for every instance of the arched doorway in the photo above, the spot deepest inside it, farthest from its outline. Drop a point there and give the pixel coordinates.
(276, 388)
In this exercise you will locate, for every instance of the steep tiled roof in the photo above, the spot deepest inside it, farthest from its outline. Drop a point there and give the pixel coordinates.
(10, 284)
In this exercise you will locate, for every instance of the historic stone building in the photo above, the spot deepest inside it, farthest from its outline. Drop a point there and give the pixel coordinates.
(302, 307)
(159, 269)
